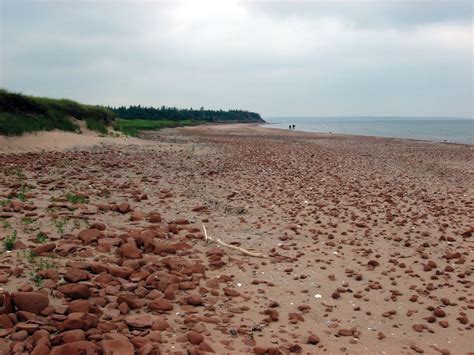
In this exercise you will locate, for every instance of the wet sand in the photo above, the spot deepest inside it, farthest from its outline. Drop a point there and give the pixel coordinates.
(368, 245)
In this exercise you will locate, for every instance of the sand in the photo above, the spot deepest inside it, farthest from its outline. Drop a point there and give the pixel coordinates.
(368, 244)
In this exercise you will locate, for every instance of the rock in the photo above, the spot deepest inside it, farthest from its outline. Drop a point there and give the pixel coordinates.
(5, 322)
(81, 306)
(66, 349)
(117, 347)
(33, 302)
(439, 312)
(161, 305)
(137, 216)
(195, 300)
(123, 272)
(130, 251)
(89, 236)
(74, 275)
(139, 321)
(195, 338)
(345, 332)
(313, 339)
(154, 217)
(45, 248)
(71, 336)
(124, 207)
(75, 291)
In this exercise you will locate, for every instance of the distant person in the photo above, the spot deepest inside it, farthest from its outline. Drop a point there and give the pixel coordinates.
(289, 127)
(293, 127)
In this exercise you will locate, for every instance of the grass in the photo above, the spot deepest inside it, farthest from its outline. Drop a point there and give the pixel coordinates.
(95, 125)
(73, 198)
(9, 241)
(133, 126)
(23, 114)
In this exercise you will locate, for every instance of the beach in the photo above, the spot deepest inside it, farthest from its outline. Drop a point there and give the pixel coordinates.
(349, 244)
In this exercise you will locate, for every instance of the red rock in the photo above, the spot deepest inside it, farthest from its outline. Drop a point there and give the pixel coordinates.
(139, 321)
(78, 306)
(181, 221)
(313, 339)
(5, 322)
(195, 338)
(33, 302)
(117, 347)
(41, 349)
(89, 236)
(295, 348)
(195, 300)
(124, 207)
(123, 272)
(137, 216)
(198, 208)
(345, 332)
(71, 336)
(66, 349)
(75, 291)
(155, 217)
(45, 248)
(161, 305)
(439, 312)
(130, 251)
(75, 275)
(230, 292)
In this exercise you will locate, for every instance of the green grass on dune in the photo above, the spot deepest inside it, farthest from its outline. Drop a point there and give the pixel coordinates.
(24, 114)
(95, 125)
(13, 124)
(133, 126)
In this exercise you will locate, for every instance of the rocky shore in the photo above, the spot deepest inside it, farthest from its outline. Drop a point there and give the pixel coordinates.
(367, 245)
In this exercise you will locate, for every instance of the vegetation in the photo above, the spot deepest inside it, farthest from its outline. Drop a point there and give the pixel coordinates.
(175, 114)
(73, 198)
(9, 241)
(133, 126)
(95, 125)
(21, 114)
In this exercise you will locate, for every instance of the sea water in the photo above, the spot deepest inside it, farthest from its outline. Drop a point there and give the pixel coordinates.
(453, 130)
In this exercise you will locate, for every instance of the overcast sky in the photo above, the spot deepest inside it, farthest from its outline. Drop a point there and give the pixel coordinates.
(410, 58)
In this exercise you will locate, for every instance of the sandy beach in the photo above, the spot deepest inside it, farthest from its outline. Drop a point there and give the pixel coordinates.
(360, 245)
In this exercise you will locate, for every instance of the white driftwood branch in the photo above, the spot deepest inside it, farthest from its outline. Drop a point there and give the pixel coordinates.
(207, 238)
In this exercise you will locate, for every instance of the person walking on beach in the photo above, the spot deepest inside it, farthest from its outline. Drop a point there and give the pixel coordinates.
(289, 127)
(293, 127)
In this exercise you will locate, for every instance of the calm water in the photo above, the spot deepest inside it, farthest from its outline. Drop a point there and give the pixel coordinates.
(454, 130)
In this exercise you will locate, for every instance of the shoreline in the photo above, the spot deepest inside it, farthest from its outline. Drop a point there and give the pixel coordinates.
(368, 136)
(367, 242)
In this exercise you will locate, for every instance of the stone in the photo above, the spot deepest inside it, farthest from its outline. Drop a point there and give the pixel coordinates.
(313, 339)
(139, 321)
(44, 248)
(124, 207)
(33, 302)
(74, 275)
(89, 236)
(75, 291)
(161, 305)
(117, 347)
(195, 338)
(130, 251)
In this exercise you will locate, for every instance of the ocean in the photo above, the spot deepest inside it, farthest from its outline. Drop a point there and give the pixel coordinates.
(452, 130)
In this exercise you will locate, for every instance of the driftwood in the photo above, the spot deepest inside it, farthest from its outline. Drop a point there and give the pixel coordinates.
(208, 239)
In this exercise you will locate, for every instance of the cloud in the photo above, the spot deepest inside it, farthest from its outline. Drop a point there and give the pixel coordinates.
(277, 59)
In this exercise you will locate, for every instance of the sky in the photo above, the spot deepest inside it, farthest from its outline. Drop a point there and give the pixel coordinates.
(293, 58)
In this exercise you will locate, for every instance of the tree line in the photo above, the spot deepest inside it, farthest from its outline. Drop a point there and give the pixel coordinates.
(176, 114)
